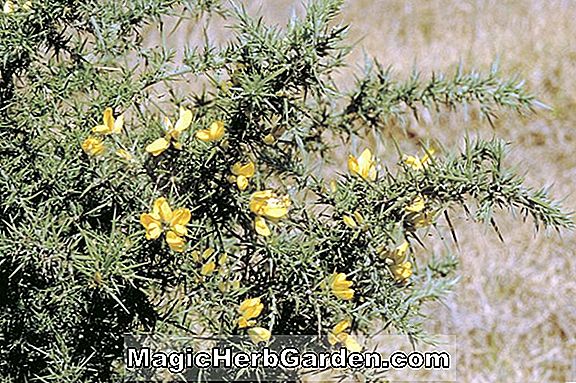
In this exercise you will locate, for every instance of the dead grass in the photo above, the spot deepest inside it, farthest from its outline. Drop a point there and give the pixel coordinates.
(513, 311)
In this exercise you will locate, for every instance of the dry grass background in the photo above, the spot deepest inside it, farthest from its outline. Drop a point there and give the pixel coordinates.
(514, 310)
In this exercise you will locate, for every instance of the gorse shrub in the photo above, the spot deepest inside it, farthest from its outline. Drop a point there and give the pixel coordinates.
(128, 203)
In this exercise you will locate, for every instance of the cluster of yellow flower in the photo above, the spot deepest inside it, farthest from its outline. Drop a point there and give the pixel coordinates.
(163, 219)
(249, 310)
(365, 167)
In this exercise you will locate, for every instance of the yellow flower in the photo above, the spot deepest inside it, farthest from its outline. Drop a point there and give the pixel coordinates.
(242, 173)
(124, 154)
(259, 334)
(163, 217)
(249, 309)
(269, 139)
(350, 222)
(213, 133)
(402, 271)
(93, 146)
(208, 268)
(340, 286)
(110, 125)
(363, 166)
(261, 226)
(173, 133)
(399, 253)
(338, 335)
(266, 204)
(417, 205)
(416, 163)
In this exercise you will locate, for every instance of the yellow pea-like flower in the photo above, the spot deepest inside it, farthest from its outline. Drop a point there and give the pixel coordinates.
(208, 268)
(251, 308)
(242, 173)
(259, 334)
(338, 335)
(417, 205)
(340, 286)
(399, 253)
(214, 133)
(266, 204)
(363, 166)
(110, 124)
(93, 146)
(402, 271)
(417, 163)
(173, 133)
(162, 216)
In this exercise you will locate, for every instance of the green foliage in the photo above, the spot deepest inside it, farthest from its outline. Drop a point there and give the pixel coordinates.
(76, 271)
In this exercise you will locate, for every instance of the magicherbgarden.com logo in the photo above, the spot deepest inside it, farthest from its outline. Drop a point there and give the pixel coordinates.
(217, 359)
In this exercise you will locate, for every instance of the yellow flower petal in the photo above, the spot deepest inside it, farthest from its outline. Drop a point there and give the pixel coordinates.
(158, 146)
(259, 334)
(100, 129)
(118, 124)
(163, 209)
(417, 205)
(261, 226)
(251, 308)
(175, 242)
(180, 218)
(349, 221)
(153, 231)
(403, 271)
(341, 327)
(208, 253)
(213, 133)
(363, 166)
(147, 219)
(243, 322)
(351, 344)
(217, 130)
(242, 182)
(184, 120)
(108, 119)
(208, 268)
(247, 170)
(93, 146)
(413, 162)
(340, 286)
(269, 139)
